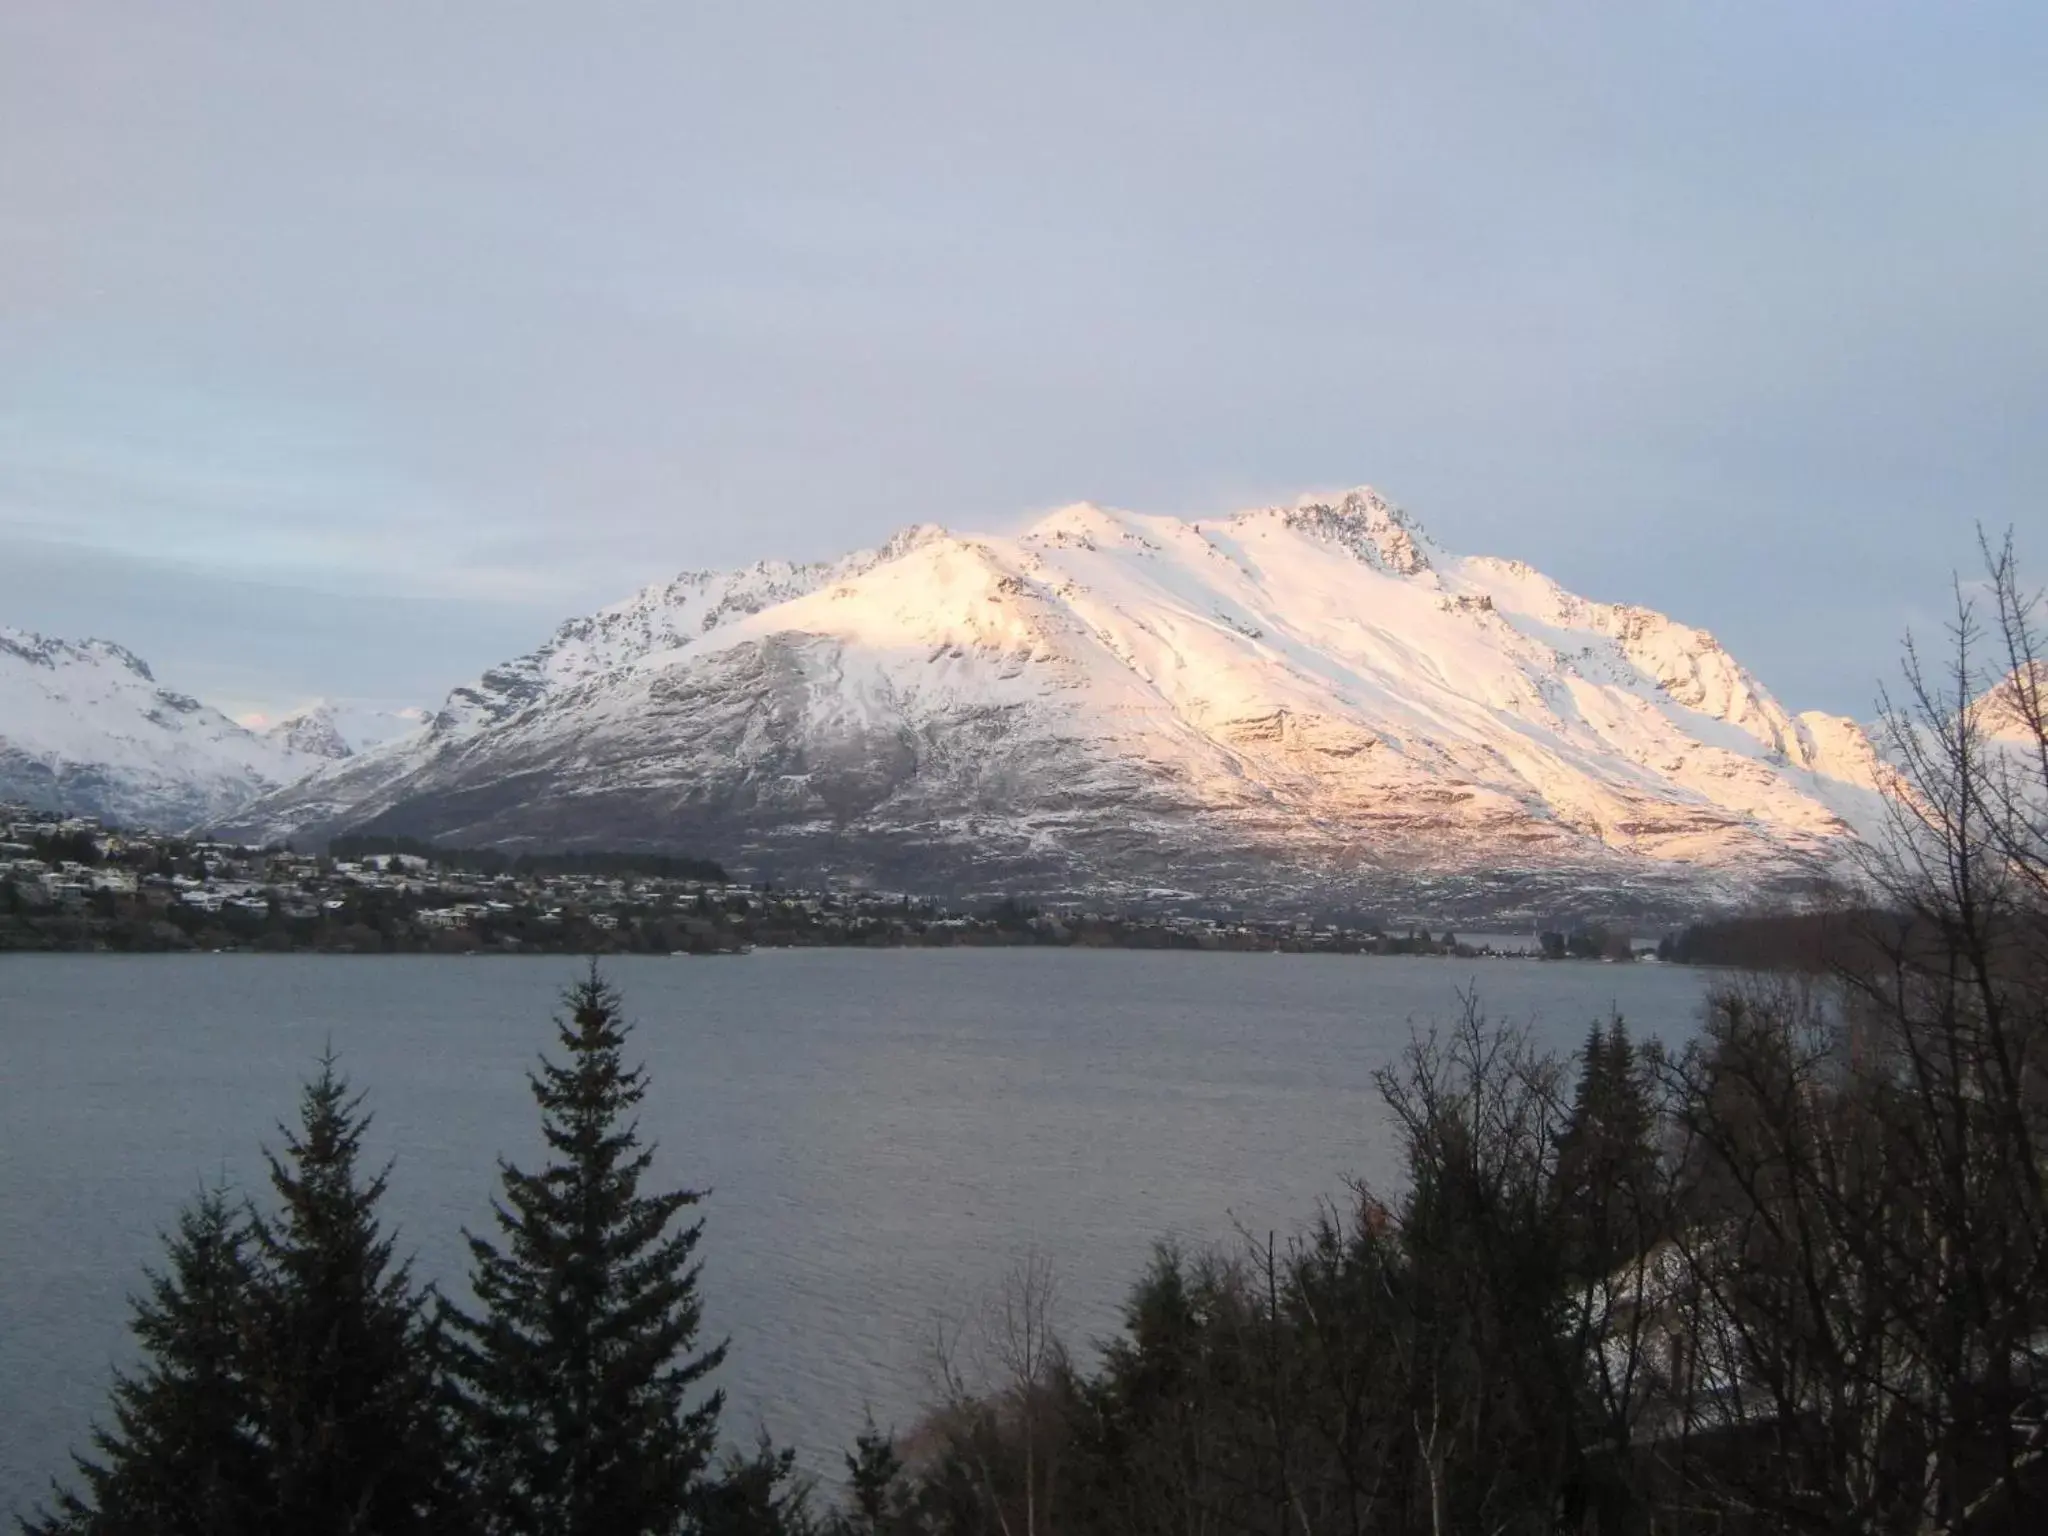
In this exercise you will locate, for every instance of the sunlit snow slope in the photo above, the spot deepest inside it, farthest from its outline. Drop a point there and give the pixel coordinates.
(85, 728)
(1305, 698)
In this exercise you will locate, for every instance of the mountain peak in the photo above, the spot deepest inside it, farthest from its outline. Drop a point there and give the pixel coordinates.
(120, 656)
(1087, 525)
(1074, 521)
(906, 539)
(1369, 526)
(313, 732)
(43, 651)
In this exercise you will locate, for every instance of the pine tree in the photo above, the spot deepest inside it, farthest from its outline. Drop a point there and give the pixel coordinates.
(757, 1495)
(877, 1492)
(577, 1373)
(181, 1458)
(342, 1347)
(1607, 1157)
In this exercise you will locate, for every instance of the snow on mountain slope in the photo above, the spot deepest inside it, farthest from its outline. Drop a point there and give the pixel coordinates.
(2010, 711)
(1299, 696)
(2006, 715)
(84, 727)
(666, 617)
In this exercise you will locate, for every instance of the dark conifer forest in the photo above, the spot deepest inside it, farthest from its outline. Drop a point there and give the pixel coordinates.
(1792, 1277)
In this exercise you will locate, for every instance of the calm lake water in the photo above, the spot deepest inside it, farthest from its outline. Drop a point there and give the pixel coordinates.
(885, 1133)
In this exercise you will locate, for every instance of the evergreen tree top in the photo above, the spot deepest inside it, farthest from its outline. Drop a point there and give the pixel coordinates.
(340, 1342)
(181, 1454)
(577, 1373)
(326, 1211)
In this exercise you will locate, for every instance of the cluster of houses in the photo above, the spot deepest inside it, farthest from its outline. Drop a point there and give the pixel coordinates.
(64, 864)
(57, 879)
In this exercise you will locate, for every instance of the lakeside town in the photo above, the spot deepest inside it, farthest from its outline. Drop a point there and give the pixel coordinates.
(71, 883)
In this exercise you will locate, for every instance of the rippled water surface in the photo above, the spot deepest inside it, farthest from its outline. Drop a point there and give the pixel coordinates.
(884, 1133)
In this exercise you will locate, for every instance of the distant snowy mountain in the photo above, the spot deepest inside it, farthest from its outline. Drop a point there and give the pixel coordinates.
(2008, 717)
(85, 727)
(310, 733)
(2010, 711)
(1312, 699)
(329, 732)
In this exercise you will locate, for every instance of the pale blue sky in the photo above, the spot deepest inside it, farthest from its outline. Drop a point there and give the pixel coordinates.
(344, 349)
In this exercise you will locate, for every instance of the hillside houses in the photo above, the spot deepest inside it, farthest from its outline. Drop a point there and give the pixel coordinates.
(71, 882)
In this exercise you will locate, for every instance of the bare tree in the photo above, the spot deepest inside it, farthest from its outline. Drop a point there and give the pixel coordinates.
(1866, 1247)
(1002, 1378)
(1032, 1360)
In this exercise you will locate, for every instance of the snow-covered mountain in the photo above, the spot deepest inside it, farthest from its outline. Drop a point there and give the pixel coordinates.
(1312, 698)
(2010, 710)
(311, 732)
(329, 731)
(85, 727)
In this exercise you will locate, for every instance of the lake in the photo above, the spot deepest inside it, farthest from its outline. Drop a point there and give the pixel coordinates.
(885, 1133)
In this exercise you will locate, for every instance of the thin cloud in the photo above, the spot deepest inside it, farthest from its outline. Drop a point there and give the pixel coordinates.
(1734, 311)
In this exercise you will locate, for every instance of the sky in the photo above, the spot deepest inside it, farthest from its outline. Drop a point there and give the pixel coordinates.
(345, 350)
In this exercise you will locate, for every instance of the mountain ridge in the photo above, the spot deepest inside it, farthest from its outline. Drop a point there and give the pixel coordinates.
(1314, 696)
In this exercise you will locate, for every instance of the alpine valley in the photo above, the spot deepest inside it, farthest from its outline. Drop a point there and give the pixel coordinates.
(1302, 703)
